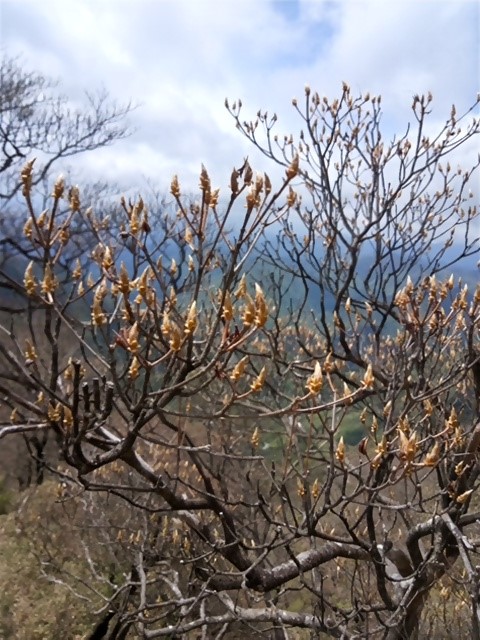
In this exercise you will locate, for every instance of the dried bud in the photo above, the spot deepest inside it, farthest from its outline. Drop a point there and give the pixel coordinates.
(268, 184)
(462, 498)
(175, 187)
(205, 184)
(58, 188)
(74, 199)
(234, 182)
(291, 197)
(247, 178)
(362, 446)
(292, 170)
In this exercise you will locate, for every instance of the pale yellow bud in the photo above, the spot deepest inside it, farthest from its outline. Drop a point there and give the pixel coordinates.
(26, 177)
(239, 369)
(49, 282)
(175, 339)
(123, 282)
(191, 321)
(67, 419)
(30, 352)
(433, 456)
(227, 312)
(29, 281)
(368, 378)
(132, 338)
(315, 381)
(166, 324)
(261, 310)
(259, 381)
(340, 451)
(241, 291)
(249, 311)
(27, 229)
(134, 369)
(77, 272)
(55, 412)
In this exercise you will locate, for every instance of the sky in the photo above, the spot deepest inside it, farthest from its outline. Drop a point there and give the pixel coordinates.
(179, 60)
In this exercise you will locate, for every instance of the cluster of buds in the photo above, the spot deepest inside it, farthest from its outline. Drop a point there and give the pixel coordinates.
(255, 311)
(137, 215)
(261, 185)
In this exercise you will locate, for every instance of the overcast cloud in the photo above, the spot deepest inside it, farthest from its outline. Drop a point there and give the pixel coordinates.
(179, 59)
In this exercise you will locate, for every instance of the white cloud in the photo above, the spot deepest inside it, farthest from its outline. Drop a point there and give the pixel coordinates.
(181, 58)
